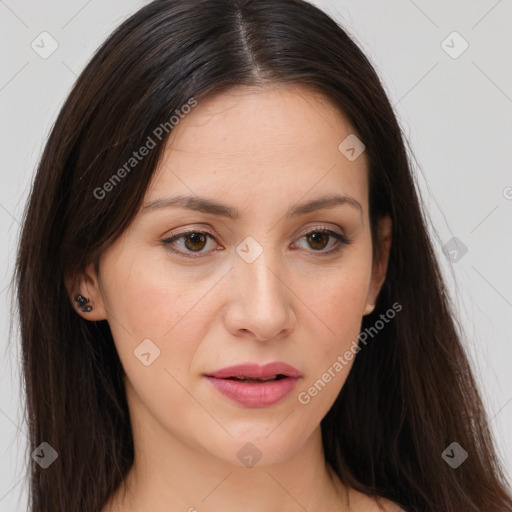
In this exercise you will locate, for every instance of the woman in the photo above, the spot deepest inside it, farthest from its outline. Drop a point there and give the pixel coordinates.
(227, 294)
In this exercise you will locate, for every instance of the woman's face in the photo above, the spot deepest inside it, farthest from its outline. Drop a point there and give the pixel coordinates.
(255, 281)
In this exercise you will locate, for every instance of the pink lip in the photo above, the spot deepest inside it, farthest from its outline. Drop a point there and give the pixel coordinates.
(255, 394)
(255, 371)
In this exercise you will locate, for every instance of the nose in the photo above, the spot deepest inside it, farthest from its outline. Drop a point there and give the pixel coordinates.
(261, 302)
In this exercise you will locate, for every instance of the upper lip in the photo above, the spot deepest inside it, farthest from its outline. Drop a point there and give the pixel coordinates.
(256, 371)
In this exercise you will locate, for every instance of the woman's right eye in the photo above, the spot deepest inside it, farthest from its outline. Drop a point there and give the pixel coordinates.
(193, 241)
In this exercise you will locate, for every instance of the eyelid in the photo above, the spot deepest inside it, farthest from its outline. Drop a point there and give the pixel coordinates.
(187, 230)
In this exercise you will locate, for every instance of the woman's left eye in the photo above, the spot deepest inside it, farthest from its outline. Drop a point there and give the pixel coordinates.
(319, 239)
(196, 241)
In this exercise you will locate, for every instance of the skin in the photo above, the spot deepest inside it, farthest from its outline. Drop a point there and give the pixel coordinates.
(261, 151)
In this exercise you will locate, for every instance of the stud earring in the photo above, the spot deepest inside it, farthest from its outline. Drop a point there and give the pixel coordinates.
(82, 303)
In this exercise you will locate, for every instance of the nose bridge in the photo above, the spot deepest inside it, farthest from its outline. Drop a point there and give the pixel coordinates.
(264, 297)
(259, 268)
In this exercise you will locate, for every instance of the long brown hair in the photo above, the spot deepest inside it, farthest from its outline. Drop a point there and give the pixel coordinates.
(410, 393)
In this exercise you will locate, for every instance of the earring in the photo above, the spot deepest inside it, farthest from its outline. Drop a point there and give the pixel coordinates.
(82, 303)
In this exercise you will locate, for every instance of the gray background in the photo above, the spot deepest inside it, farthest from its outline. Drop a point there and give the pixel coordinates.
(455, 112)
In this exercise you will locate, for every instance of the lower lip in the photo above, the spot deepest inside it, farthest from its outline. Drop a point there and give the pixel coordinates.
(260, 394)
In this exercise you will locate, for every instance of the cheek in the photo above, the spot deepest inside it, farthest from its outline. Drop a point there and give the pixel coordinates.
(146, 301)
(334, 344)
(339, 305)
(148, 295)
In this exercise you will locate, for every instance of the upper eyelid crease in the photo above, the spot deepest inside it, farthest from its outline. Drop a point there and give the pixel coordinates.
(210, 206)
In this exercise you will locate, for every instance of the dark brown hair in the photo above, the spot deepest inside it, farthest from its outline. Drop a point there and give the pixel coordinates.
(410, 392)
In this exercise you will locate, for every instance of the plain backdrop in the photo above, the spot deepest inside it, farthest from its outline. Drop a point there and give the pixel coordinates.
(452, 94)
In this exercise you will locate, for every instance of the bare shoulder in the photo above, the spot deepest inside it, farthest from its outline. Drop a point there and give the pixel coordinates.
(360, 502)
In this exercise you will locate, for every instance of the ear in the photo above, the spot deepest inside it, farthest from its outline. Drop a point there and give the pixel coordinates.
(87, 284)
(380, 265)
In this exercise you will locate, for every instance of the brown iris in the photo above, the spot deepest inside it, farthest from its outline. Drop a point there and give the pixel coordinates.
(197, 241)
(315, 238)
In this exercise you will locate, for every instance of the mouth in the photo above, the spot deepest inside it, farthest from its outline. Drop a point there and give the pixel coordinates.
(255, 371)
(252, 385)
(251, 380)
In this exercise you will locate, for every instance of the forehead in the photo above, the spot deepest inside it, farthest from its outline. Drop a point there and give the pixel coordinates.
(273, 138)
(270, 118)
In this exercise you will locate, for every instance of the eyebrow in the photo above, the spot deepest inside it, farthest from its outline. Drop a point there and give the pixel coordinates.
(205, 205)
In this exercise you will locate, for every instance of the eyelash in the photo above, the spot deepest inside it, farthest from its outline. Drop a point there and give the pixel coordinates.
(342, 240)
